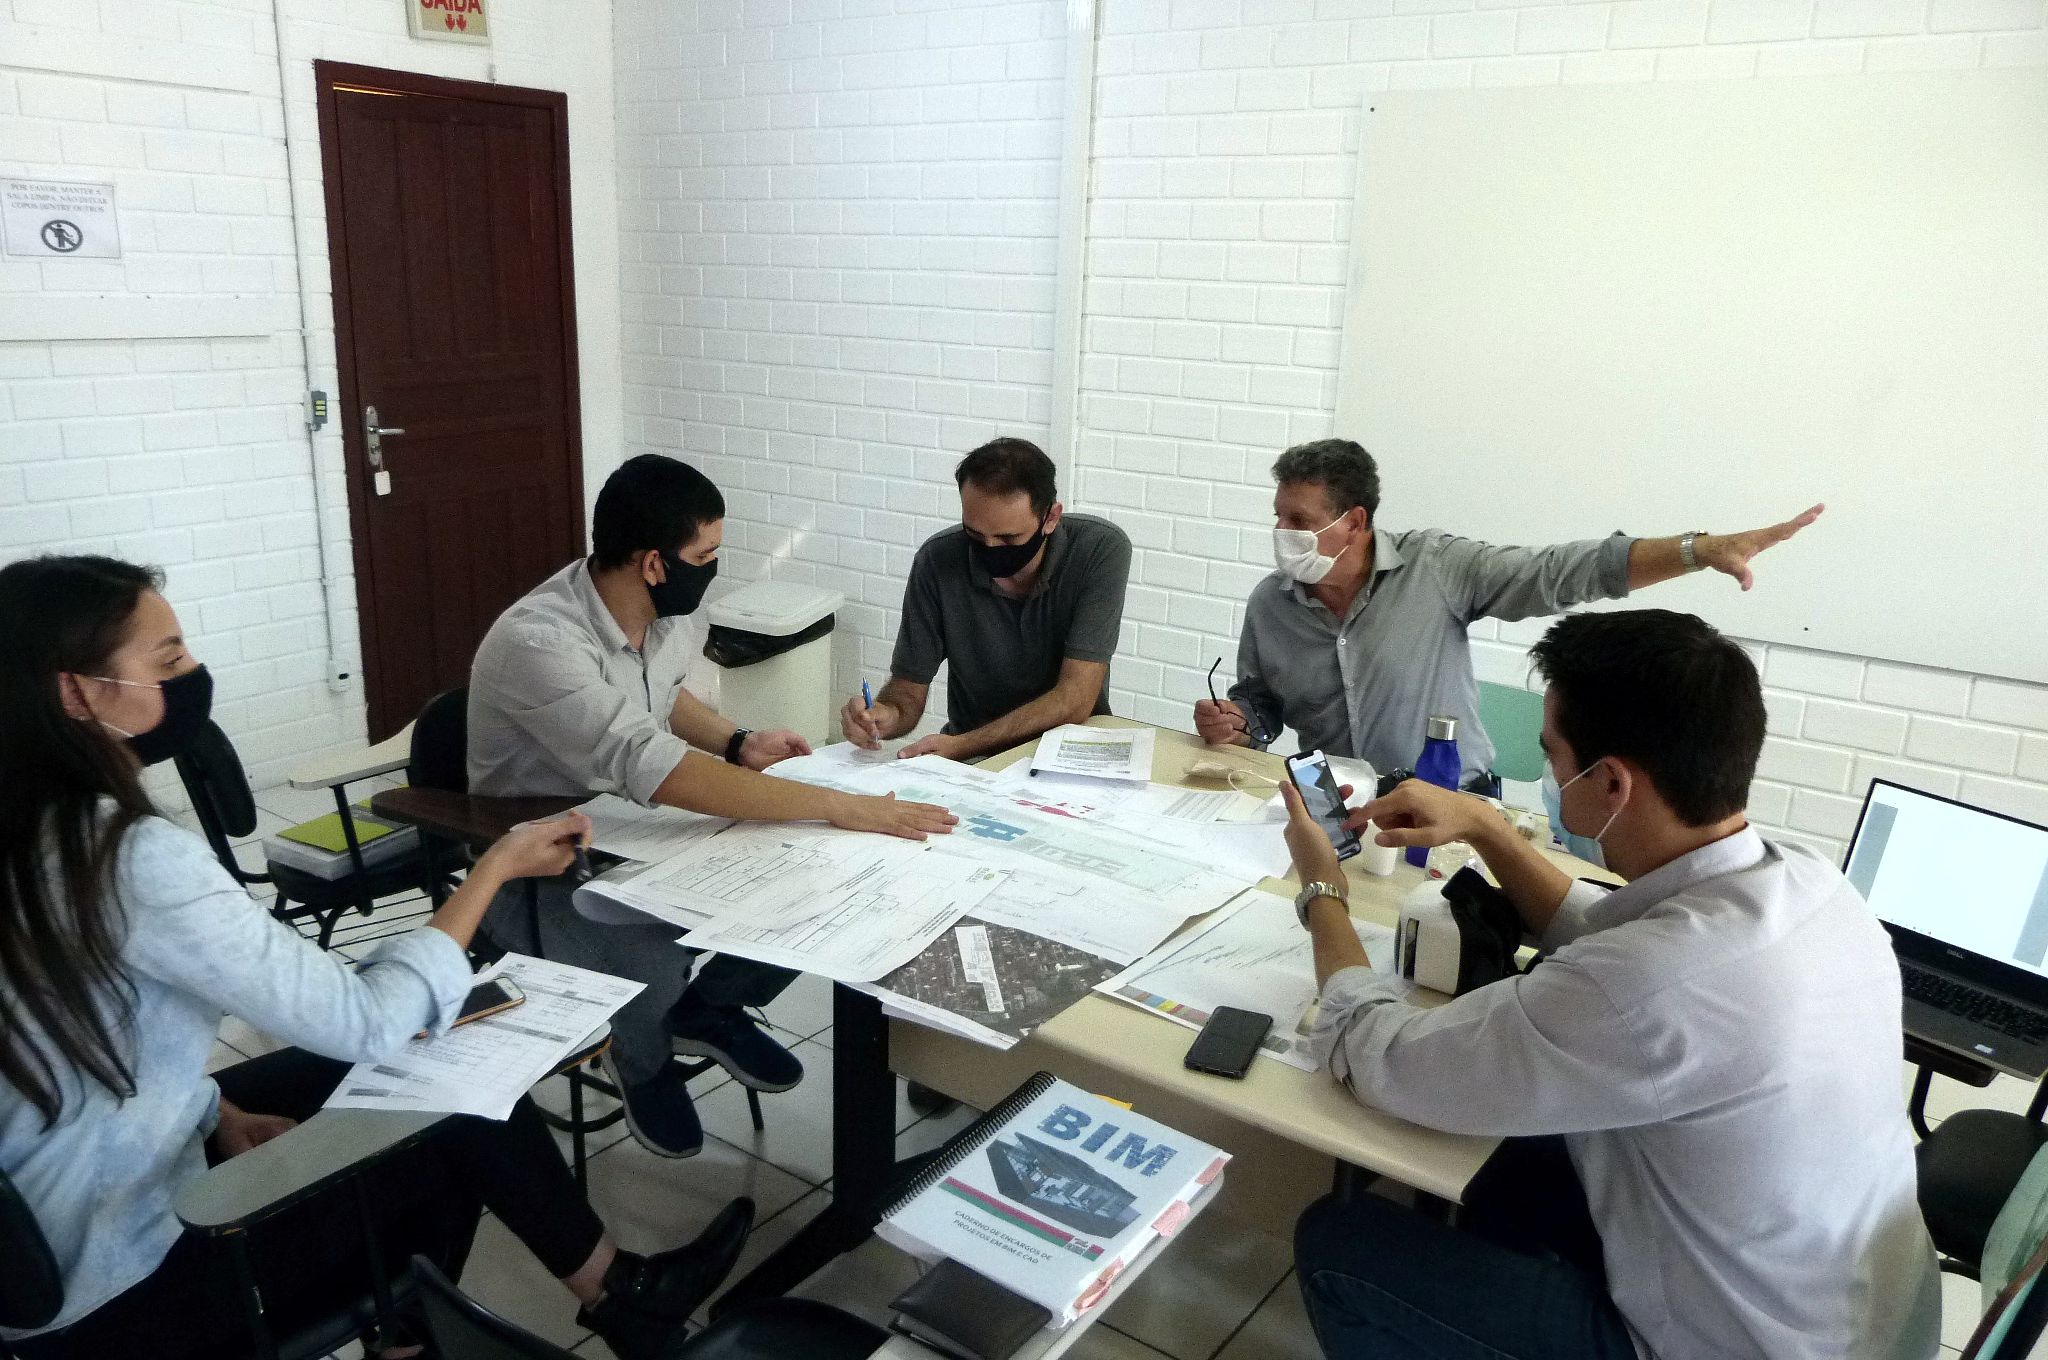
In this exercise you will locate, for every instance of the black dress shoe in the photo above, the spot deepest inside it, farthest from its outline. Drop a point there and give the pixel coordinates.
(648, 1300)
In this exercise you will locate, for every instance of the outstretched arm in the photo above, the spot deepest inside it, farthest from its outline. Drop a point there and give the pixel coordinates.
(1652, 560)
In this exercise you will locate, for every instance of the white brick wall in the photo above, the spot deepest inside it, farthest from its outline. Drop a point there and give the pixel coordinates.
(1218, 236)
(192, 453)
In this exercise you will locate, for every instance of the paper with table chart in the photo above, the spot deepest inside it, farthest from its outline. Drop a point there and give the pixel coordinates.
(620, 826)
(482, 1068)
(1254, 956)
(1099, 752)
(842, 904)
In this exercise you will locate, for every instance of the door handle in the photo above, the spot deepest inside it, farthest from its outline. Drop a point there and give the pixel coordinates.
(373, 444)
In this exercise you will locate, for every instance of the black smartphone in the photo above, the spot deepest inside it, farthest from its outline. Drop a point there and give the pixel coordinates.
(1311, 774)
(490, 998)
(1229, 1042)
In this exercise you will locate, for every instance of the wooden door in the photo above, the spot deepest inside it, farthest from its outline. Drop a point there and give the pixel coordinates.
(448, 231)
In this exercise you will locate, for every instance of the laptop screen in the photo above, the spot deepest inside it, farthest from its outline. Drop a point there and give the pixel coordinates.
(1971, 879)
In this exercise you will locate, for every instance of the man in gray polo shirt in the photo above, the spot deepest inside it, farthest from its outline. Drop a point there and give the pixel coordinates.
(1023, 601)
(1358, 638)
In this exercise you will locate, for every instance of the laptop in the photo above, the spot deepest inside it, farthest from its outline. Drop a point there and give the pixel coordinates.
(1964, 892)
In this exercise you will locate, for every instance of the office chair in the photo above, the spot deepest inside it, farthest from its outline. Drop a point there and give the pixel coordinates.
(2015, 1255)
(1969, 1166)
(32, 1288)
(773, 1329)
(440, 760)
(218, 785)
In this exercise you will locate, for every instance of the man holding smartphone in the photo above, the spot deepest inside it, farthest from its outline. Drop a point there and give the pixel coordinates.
(1708, 1056)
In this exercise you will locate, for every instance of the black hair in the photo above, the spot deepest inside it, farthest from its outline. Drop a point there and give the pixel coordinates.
(64, 1001)
(1666, 691)
(652, 501)
(1342, 467)
(1003, 467)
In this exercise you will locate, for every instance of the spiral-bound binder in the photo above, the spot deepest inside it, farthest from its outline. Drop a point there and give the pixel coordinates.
(971, 1139)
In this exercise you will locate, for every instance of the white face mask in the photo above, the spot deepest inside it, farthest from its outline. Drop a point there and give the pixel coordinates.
(1295, 552)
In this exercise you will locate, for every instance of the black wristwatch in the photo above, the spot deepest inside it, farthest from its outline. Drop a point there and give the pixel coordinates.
(732, 748)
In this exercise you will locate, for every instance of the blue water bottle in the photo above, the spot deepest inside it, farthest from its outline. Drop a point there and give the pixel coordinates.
(1439, 764)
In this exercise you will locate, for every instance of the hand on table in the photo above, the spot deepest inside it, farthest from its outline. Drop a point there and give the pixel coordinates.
(239, 1130)
(1220, 722)
(538, 849)
(865, 726)
(891, 817)
(762, 749)
(937, 744)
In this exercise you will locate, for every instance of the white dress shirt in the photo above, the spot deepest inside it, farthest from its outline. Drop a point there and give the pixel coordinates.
(1719, 1044)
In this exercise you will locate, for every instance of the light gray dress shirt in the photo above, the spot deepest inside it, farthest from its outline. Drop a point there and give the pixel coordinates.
(1718, 1043)
(1366, 685)
(560, 704)
(102, 1181)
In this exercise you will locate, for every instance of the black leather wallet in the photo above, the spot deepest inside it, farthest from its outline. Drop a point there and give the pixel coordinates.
(954, 1310)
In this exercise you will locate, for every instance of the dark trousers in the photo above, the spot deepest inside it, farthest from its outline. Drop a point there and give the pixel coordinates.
(1520, 1279)
(312, 1256)
(645, 953)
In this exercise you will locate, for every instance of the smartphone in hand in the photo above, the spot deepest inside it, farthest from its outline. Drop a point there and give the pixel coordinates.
(1312, 776)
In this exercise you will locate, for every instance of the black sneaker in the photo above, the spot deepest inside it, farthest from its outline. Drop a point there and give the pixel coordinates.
(647, 1301)
(735, 1041)
(660, 1111)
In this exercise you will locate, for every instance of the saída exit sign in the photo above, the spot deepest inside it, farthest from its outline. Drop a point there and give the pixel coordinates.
(448, 20)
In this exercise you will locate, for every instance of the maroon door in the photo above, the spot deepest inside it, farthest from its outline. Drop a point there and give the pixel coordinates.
(448, 229)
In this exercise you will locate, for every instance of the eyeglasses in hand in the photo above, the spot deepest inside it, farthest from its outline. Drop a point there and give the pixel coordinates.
(1253, 727)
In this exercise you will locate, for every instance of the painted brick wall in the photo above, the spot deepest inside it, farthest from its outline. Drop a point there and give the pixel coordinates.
(190, 451)
(838, 224)
(808, 291)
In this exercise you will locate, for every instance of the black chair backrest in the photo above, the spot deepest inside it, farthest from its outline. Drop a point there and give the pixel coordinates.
(31, 1290)
(463, 1329)
(440, 744)
(219, 788)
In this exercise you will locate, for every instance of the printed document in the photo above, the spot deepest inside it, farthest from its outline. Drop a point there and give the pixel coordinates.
(482, 1068)
(992, 984)
(620, 826)
(1101, 752)
(1254, 956)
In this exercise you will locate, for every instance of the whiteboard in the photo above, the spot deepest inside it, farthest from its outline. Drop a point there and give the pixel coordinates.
(1708, 305)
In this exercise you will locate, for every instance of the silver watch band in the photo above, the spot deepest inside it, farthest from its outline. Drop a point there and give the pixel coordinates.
(1686, 556)
(1310, 892)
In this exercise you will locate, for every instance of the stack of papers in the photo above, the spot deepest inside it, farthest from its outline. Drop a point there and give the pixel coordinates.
(1099, 752)
(484, 1067)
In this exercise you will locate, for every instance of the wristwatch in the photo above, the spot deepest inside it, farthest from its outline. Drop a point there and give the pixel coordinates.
(1311, 893)
(1686, 557)
(739, 739)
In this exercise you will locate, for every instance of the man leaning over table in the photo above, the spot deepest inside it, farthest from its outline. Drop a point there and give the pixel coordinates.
(1396, 605)
(1715, 1045)
(1022, 602)
(579, 688)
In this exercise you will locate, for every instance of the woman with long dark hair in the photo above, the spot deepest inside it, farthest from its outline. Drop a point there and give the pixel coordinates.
(122, 944)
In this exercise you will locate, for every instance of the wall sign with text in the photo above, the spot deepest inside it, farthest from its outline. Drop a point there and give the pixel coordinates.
(58, 220)
(448, 20)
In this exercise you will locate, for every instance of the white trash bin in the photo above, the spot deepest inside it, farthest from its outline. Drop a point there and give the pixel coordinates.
(772, 644)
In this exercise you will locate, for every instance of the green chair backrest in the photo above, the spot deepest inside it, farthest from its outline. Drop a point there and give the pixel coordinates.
(2014, 1256)
(1514, 719)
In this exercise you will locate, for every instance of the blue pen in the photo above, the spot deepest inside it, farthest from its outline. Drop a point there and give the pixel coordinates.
(867, 696)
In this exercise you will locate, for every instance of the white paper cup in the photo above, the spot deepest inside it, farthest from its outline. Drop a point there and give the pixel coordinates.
(1376, 859)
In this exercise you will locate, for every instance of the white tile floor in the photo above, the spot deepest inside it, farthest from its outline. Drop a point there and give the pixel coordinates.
(1224, 1292)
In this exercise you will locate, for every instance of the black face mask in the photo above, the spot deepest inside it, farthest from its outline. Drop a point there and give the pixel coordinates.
(1004, 560)
(684, 589)
(188, 703)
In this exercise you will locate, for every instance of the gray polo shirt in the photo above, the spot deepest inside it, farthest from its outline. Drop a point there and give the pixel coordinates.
(1366, 685)
(1718, 1044)
(1004, 653)
(561, 704)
